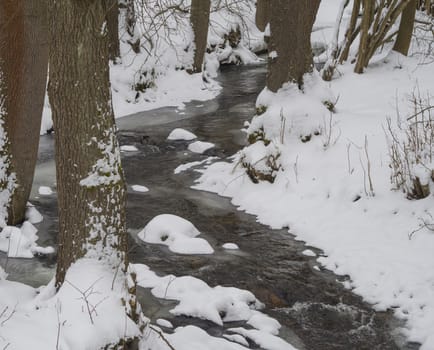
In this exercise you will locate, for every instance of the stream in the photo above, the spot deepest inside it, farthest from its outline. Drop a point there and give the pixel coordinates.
(315, 310)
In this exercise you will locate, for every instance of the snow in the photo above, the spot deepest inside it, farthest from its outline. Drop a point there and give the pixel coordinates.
(318, 181)
(139, 188)
(157, 76)
(21, 242)
(217, 304)
(272, 54)
(105, 170)
(164, 323)
(181, 134)
(33, 215)
(308, 252)
(7, 177)
(230, 246)
(200, 146)
(88, 304)
(266, 341)
(186, 166)
(128, 148)
(45, 191)
(321, 191)
(190, 338)
(178, 234)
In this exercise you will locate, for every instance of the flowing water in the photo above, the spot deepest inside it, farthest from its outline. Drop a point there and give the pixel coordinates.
(315, 311)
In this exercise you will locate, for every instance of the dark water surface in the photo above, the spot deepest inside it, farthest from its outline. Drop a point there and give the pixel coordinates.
(315, 311)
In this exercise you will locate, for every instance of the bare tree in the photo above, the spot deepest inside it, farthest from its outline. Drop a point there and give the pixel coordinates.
(23, 62)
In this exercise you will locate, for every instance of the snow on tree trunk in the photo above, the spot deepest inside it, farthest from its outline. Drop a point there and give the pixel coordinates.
(7, 179)
(90, 180)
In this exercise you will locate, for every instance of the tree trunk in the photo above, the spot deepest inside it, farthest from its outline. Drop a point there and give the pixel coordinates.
(428, 7)
(405, 32)
(113, 29)
(262, 14)
(362, 56)
(23, 60)
(130, 22)
(7, 178)
(290, 52)
(199, 18)
(351, 32)
(90, 180)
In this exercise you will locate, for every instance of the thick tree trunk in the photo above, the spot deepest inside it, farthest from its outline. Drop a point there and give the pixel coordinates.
(262, 14)
(290, 52)
(199, 17)
(90, 181)
(405, 32)
(113, 29)
(24, 60)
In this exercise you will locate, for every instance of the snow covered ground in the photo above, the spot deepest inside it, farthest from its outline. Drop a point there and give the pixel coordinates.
(323, 192)
(157, 76)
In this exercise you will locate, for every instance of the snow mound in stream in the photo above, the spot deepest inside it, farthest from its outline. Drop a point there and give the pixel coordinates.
(177, 233)
(181, 134)
(217, 304)
(20, 242)
(200, 146)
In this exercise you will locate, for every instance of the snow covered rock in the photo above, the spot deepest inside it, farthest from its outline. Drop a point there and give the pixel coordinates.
(181, 134)
(139, 188)
(230, 246)
(217, 304)
(308, 252)
(200, 146)
(45, 191)
(176, 233)
(129, 148)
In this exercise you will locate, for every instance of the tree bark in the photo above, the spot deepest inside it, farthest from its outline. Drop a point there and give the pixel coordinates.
(262, 14)
(199, 18)
(405, 32)
(351, 32)
(90, 180)
(428, 7)
(130, 22)
(23, 60)
(113, 29)
(362, 56)
(290, 52)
